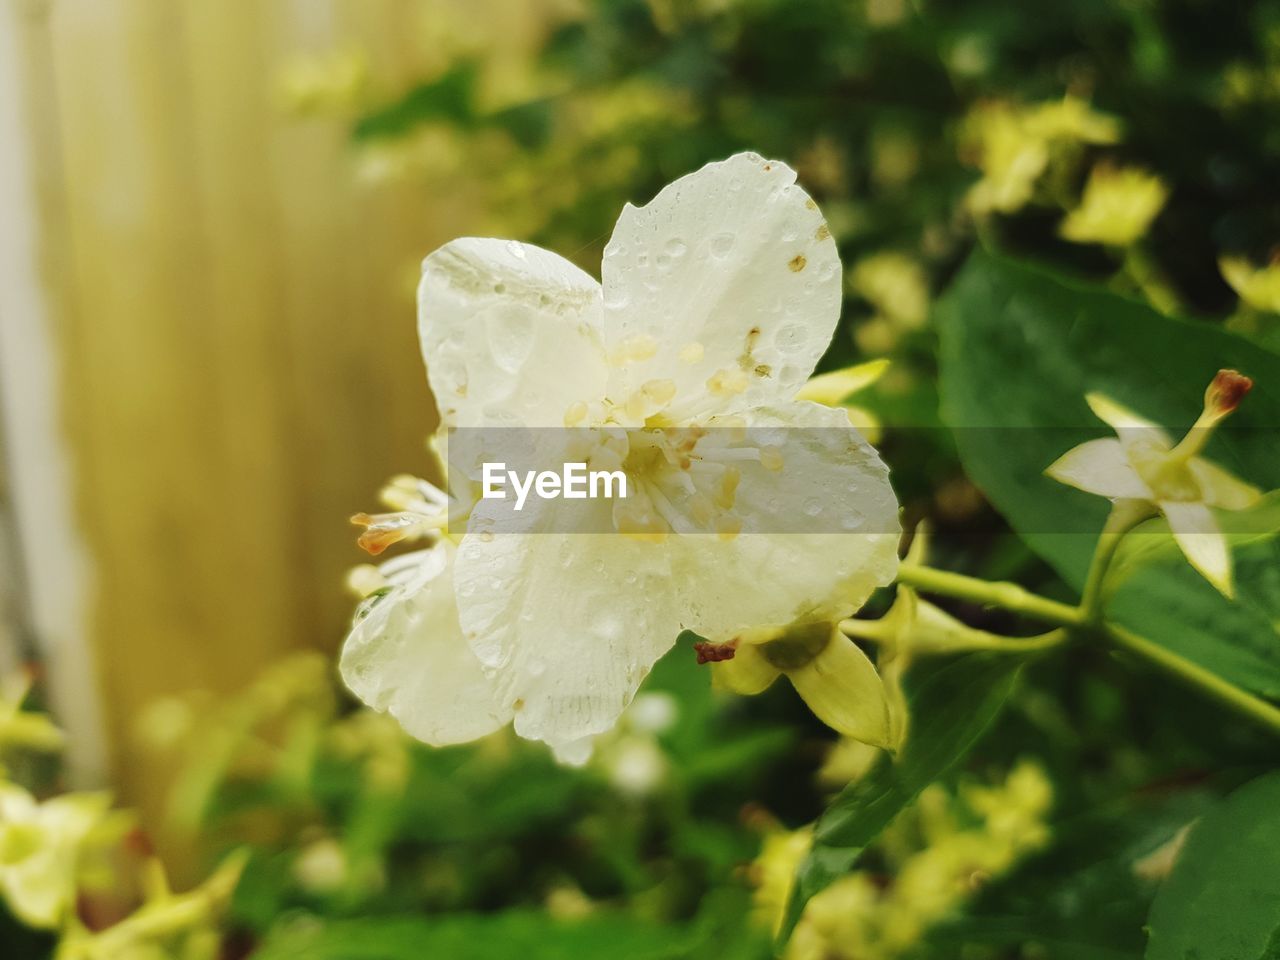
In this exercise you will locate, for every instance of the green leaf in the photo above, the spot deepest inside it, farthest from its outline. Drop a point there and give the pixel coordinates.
(1168, 601)
(1019, 350)
(448, 99)
(516, 934)
(1222, 900)
(951, 706)
(1082, 897)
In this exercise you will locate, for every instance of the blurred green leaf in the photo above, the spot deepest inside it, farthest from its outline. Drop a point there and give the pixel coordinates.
(450, 98)
(1222, 900)
(516, 934)
(1079, 898)
(1020, 348)
(951, 706)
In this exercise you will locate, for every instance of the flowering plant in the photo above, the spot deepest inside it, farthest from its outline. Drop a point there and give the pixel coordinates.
(717, 301)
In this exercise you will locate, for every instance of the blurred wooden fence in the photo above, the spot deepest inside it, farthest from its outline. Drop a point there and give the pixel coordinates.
(232, 322)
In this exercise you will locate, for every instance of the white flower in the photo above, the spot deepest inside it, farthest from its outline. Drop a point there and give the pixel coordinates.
(1143, 466)
(717, 300)
(40, 851)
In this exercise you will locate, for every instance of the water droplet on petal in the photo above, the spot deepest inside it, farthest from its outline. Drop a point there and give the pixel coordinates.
(721, 244)
(791, 338)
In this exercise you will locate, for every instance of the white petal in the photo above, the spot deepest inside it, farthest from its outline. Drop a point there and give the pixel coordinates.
(574, 753)
(1115, 415)
(1101, 467)
(729, 273)
(406, 656)
(844, 691)
(1222, 488)
(818, 535)
(1198, 534)
(570, 623)
(510, 334)
(1137, 433)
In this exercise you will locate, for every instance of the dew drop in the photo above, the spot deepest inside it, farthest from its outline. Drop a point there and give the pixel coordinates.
(791, 338)
(510, 340)
(721, 245)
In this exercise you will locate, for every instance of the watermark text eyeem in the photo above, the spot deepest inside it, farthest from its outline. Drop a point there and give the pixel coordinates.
(574, 482)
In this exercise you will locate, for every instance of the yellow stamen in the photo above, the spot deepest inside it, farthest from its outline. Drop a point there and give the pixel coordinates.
(727, 383)
(659, 392)
(726, 493)
(728, 527)
(634, 350)
(691, 352)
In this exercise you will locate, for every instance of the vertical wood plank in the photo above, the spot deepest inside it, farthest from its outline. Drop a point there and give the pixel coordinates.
(235, 327)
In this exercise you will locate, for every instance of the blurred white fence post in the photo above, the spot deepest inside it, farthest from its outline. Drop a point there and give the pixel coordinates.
(53, 574)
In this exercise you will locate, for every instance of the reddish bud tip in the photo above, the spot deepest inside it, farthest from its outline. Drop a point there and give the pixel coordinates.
(1226, 391)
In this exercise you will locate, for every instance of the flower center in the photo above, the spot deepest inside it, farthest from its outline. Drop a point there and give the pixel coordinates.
(685, 479)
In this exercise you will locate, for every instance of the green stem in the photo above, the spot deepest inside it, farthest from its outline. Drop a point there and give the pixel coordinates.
(1086, 618)
(1209, 683)
(1008, 596)
(1141, 269)
(1124, 516)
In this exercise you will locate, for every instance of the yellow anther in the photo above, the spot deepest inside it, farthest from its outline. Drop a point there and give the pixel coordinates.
(384, 529)
(659, 392)
(728, 527)
(726, 493)
(634, 350)
(691, 352)
(636, 407)
(727, 383)
(771, 458)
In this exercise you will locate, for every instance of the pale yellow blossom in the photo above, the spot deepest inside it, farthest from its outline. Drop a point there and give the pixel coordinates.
(1257, 287)
(1117, 207)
